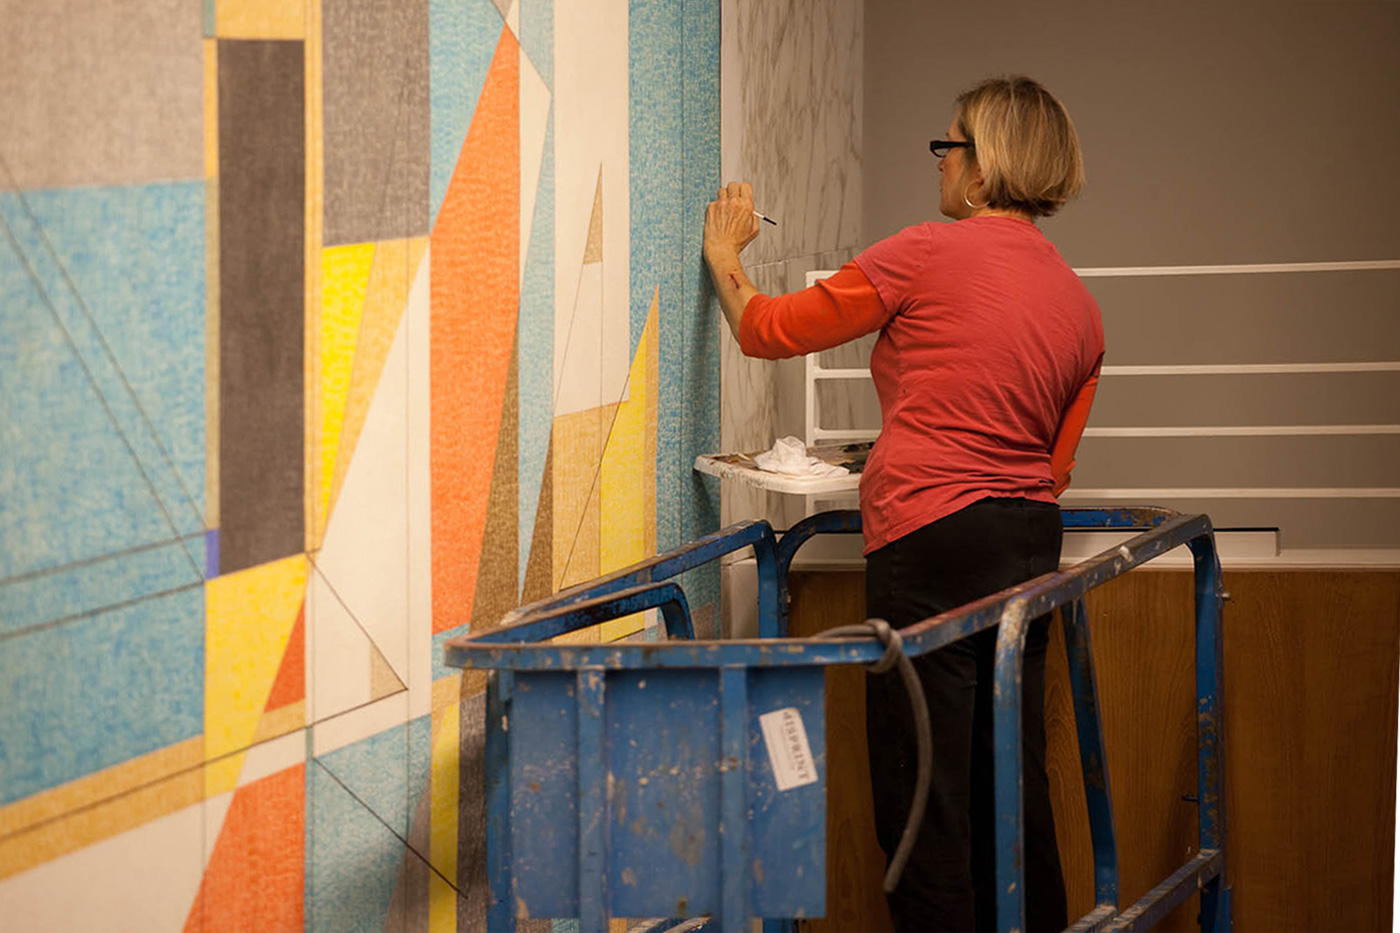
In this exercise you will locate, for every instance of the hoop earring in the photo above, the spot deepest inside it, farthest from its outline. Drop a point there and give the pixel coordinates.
(975, 207)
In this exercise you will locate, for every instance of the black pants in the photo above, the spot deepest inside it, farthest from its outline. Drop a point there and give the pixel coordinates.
(949, 882)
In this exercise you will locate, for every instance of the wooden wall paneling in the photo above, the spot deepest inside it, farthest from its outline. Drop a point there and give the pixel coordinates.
(1142, 626)
(1312, 671)
(1310, 720)
(854, 863)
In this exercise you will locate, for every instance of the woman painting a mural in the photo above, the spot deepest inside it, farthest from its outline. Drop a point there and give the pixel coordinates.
(986, 365)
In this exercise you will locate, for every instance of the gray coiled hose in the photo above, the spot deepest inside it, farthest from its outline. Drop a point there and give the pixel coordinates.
(894, 656)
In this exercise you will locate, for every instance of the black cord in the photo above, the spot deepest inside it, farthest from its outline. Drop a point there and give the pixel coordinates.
(894, 656)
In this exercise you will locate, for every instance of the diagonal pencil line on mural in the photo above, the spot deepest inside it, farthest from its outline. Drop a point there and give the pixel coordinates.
(106, 407)
(597, 472)
(407, 846)
(106, 350)
(165, 778)
(90, 561)
(182, 772)
(353, 618)
(111, 607)
(563, 361)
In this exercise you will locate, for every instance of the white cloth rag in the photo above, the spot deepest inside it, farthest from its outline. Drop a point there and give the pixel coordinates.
(789, 456)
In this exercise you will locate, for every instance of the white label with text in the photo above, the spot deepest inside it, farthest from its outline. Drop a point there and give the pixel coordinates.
(786, 739)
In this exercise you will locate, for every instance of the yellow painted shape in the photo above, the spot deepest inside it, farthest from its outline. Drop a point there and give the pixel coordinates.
(101, 785)
(313, 212)
(280, 721)
(88, 825)
(622, 483)
(391, 276)
(578, 452)
(447, 690)
(345, 274)
(260, 19)
(211, 108)
(221, 775)
(211, 277)
(249, 617)
(442, 835)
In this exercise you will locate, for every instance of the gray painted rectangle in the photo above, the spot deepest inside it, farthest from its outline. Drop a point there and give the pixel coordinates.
(1183, 462)
(1341, 523)
(1212, 132)
(262, 195)
(1251, 318)
(376, 120)
(100, 93)
(1262, 399)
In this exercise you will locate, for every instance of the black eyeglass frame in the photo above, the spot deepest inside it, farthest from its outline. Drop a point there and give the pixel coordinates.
(947, 145)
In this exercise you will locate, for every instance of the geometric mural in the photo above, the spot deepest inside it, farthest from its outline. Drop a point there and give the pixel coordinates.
(328, 331)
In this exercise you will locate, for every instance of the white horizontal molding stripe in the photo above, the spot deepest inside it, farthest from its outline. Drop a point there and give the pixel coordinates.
(1261, 492)
(819, 373)
(1111, 272)
(1251, 369)
(1264, 430)
(853, 434)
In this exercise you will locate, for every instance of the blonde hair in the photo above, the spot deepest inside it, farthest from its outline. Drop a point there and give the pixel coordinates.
(1025, 144)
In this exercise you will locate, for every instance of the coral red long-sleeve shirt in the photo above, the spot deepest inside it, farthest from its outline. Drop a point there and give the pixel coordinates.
(986, 364)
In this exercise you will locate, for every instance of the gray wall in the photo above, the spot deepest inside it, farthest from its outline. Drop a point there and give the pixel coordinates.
(1214, 134)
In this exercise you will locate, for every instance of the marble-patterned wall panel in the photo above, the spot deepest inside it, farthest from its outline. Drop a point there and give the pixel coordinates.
(792, 119)
(791, 125)
(100, 93)
(748, 408)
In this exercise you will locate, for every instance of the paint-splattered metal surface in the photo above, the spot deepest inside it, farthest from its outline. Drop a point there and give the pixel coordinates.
(687, 778)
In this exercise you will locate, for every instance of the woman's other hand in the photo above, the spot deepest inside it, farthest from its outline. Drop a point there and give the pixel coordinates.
(730, 224)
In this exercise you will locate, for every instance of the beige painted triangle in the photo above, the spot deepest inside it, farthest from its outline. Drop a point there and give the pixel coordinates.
(390, 276)
(593, 250)
(382, 679)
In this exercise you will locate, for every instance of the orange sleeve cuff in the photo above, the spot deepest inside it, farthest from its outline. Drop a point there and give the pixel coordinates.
(1071, 429)
(830, 313)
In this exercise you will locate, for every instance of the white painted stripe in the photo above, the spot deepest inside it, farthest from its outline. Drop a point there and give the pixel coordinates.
(1259, 492)
(1106, 272)
(1251, 369)
(1266, 430)
(351, 726)
(274, 755)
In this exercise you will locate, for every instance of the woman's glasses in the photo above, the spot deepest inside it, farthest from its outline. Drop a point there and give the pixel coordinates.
(941, 147)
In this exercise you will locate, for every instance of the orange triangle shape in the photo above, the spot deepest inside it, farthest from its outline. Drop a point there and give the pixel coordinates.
(290, 685)
(255, 877)
(475, 286)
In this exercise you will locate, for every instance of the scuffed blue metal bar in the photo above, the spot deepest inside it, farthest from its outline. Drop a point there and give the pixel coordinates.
(756, 534)
(845, 521)
(594, 820)
(1097, 793)
(517, 647)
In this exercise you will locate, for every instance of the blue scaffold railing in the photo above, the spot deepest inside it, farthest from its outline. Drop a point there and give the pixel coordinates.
(682, 778)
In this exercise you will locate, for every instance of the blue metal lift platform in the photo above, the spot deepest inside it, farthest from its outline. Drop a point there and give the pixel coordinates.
(683, 779)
